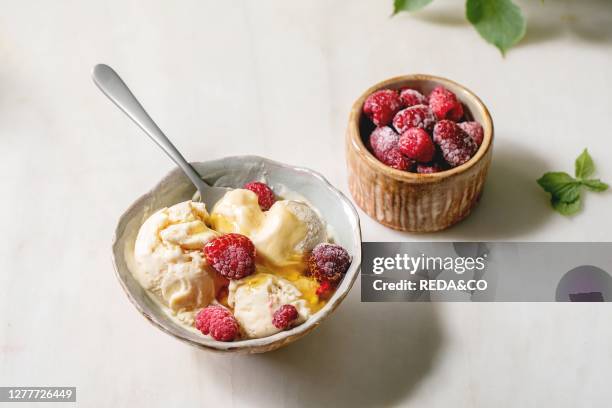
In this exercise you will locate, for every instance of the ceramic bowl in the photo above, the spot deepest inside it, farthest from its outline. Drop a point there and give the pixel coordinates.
(409, 201)
(335, 208)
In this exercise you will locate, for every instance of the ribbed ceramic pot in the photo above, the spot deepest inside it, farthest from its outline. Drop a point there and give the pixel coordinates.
(409, 201)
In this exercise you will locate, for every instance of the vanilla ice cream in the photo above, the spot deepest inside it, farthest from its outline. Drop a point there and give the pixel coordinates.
(256, 298)
(283, 234)
(169, 259)
(237, 211)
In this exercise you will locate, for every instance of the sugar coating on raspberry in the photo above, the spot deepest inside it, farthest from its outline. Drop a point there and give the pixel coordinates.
(284, 316)
(218, 322)
(328, 263)
(231, 255)
(382, 106)
(429, 168)
(415, 116)
(416, 144)
(384, 144)
(444, 104)
(265, 195)
(383, 139)
(412, 97)
(457, 146)
(473, 129)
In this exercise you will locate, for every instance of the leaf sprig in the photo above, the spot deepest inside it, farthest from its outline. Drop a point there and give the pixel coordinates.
(566, 190)
(499, 22)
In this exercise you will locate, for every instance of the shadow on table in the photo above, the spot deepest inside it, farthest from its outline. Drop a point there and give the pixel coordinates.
(513, 204)
(589, 20)
(449, 14)
(367, 354)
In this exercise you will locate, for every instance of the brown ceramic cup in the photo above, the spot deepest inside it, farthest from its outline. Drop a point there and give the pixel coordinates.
(409, 201)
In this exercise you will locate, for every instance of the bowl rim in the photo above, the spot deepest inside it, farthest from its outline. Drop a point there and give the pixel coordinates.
(282, 338)
(354, 133)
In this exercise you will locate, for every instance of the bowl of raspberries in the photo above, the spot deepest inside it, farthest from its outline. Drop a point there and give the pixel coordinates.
(418, 152)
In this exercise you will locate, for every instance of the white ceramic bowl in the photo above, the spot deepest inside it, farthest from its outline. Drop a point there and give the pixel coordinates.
(335, 208)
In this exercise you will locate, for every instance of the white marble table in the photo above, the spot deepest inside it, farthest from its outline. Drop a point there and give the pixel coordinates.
(276, 78)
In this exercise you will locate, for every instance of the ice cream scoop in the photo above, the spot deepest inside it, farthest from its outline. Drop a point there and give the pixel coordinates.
(290, 229)
(237, 211)
(282, 235)
(169, 260)
(256, 298)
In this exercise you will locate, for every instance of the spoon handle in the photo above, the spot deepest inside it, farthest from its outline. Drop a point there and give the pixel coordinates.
(111, 84)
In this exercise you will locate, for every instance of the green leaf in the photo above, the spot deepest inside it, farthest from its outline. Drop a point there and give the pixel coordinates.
(565, 190)
(499, 22)
(565, 208)
(549, 181)
(595, 185)
(584, 165)
(569, 192)
(409, 5)
(561, 185)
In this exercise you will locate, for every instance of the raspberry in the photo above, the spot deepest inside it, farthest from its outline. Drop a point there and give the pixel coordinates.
(231, 255)
(417, 145)
(443, 130)
(456, 113)
(429, 168)
(415, 116)
(381, 106)
(324, 291)
(444, 104)
(473, 129)
(284, 316)
(384, 143)
(457, 147)
(411, 97)
(328, 263)
(218, 322)
(383, 139)
(394, 158)
(265, 195)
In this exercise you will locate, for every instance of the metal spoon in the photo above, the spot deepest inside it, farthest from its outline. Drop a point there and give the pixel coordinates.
(111, 84)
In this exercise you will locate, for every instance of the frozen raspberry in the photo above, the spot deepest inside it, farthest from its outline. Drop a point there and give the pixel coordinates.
(328, 263)
(325, 289)
(473, 129)
(429, 168)
(444, 130)
(444, 104)
(381, 106)
(384, 143)
(394, 158)
(415, 116)
(411, 97)
(218, 322)
(456, 113)
(265, 195)
(382, 140)
(416, 144)
(457, 147)
(231, 255)
(284, 316)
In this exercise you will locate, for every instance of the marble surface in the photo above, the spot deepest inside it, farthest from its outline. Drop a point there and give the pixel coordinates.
(277, 78)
